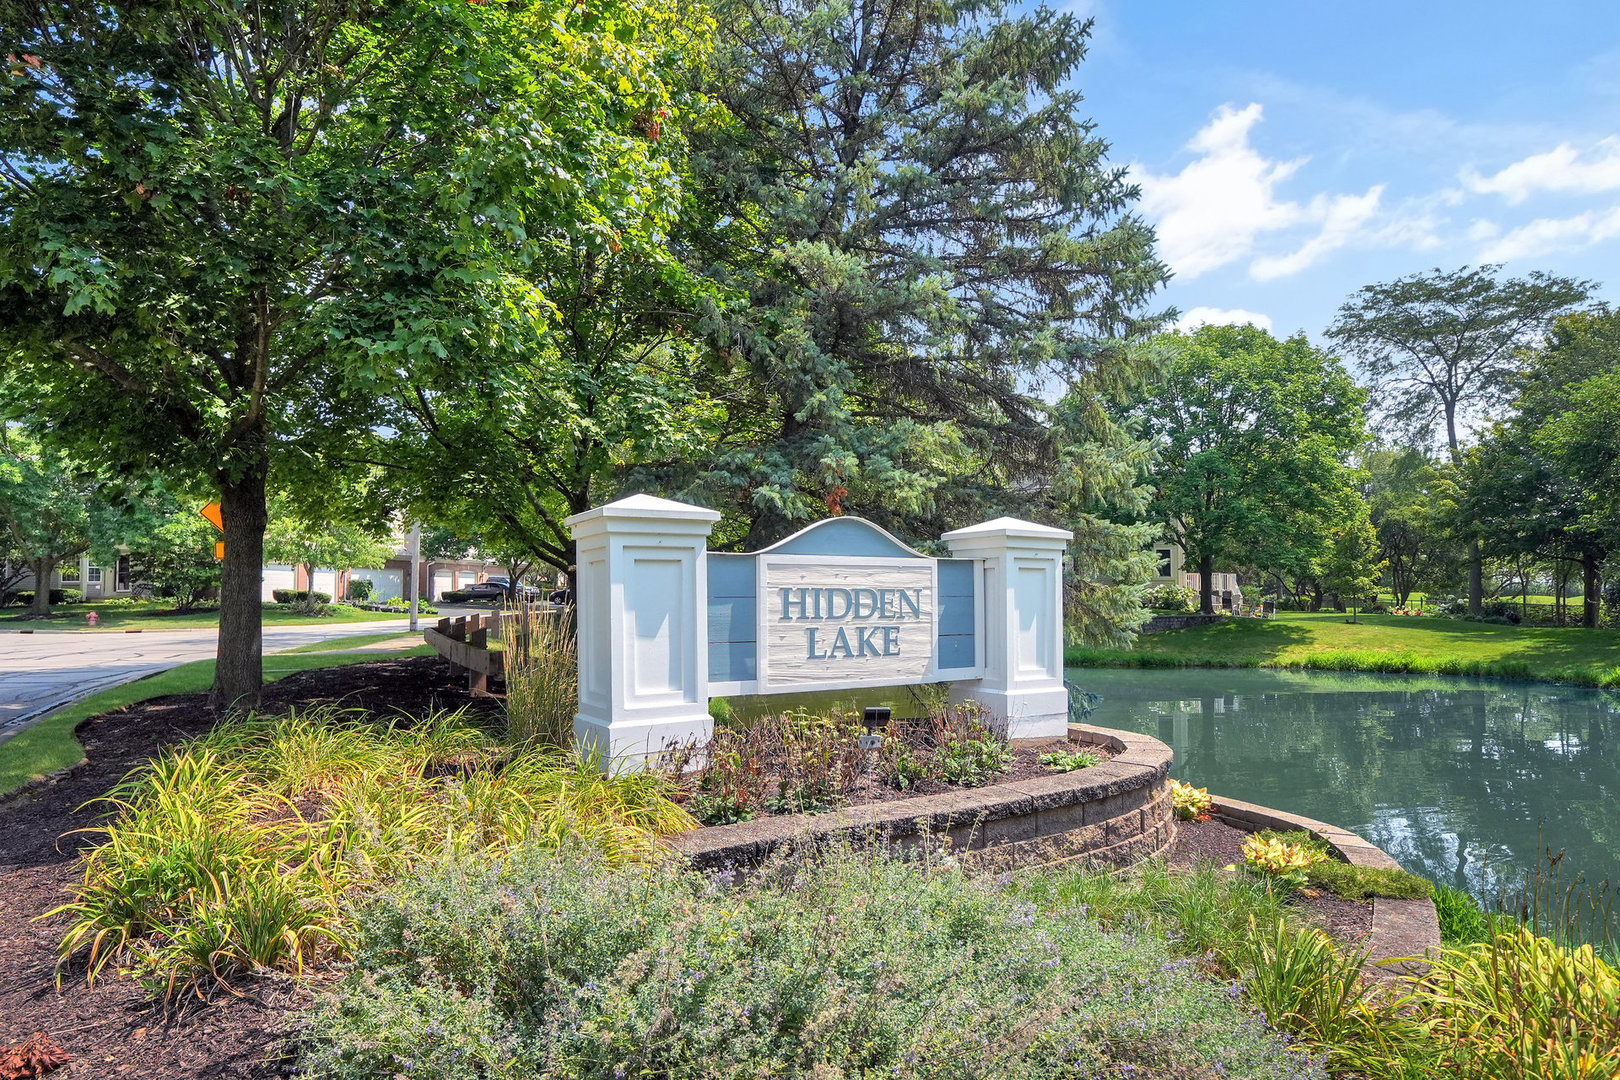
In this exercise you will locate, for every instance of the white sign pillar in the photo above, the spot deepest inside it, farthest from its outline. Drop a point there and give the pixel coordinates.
(641, 592)
(1021, 583)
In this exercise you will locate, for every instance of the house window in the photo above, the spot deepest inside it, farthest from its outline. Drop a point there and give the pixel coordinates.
(95, 575)
(123, 574)
(70, 573)
(1164, 562)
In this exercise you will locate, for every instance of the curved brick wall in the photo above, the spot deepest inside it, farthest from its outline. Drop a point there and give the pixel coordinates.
(1117, 812)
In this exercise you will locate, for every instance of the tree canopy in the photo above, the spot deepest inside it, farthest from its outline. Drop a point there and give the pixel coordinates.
(931, 245)
(224, 228)
(1253, 438)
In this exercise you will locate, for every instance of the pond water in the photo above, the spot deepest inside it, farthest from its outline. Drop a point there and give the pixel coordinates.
(1462, 780)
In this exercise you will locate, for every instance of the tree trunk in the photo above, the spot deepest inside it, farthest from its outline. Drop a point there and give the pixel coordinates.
(1592, 601)
(43, 568)
(240, 670)
(1206, 585)
(1476, 579)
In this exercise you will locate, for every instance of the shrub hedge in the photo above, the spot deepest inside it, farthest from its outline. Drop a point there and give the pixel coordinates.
(298, 596)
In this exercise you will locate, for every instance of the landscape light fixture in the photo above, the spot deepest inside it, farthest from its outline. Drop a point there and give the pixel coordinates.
(875, 718)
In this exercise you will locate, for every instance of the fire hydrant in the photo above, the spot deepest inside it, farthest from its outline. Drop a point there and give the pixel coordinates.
(93, 618)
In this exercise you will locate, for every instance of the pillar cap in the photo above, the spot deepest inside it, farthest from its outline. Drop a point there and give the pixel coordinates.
(1011, 528)
(645, 507)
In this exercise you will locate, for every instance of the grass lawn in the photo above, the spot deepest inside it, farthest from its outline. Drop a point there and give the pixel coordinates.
(1388, 643)
(49, 745)
(155, 615)
(351, 641)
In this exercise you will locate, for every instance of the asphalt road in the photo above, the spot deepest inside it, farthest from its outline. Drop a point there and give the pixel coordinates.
(50, 668)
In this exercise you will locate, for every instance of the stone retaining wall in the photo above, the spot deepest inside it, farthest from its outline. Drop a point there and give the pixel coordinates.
(1117, 812)
(1158, 624)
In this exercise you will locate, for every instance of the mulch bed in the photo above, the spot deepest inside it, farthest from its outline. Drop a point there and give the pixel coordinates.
(111, 1029)
(1206, 843)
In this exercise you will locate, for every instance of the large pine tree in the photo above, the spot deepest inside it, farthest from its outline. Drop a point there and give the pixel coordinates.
(932, 249)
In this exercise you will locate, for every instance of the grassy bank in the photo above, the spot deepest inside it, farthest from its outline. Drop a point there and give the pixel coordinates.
(1327, 641)
(156, 615)
(49, 745)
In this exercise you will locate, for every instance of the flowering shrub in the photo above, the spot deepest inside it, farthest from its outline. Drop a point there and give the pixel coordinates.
(824, 967)
(1284, 862)
(1190, 803)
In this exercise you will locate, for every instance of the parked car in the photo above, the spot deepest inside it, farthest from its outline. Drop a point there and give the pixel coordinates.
(500, 588)
(493, 589)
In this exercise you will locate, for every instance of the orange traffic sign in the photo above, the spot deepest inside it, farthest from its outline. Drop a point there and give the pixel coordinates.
(215, 518)
(219, 549)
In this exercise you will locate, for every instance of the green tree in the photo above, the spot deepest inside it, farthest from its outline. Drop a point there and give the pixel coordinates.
(1412, 505)
(931, 246)
(1352, 566)
(1538, 485)
(50, 509)
(323, 544)
(224, 228)
(1443, 348)
(1252, 436)
(171, 546)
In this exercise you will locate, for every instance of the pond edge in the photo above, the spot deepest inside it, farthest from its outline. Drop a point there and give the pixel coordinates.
(1403, 931)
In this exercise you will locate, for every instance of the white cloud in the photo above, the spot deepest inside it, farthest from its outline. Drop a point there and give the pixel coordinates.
(1563, 169)
(1545, 235)
(1344, 218)
(1214, 316)
(1216, 209)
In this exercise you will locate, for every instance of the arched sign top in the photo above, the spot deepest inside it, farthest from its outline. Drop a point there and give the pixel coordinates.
(843, 537)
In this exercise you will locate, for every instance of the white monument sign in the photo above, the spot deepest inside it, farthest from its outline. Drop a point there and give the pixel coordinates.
(830, 624)
(842, 604)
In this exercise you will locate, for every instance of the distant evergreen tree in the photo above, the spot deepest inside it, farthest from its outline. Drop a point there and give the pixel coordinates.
(933, 251)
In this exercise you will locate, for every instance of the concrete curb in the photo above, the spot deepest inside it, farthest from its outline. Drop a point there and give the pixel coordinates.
(1402, 930)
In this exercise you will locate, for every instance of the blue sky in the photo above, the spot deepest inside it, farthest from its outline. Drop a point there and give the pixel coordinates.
(1291, 152)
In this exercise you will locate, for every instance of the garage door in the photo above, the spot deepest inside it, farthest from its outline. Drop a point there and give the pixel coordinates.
(325, 581)
(385, 584)
(441, 583)
(276, 577)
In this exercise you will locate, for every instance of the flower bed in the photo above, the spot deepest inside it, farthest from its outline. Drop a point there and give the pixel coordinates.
(803, 762)
(1115, 812)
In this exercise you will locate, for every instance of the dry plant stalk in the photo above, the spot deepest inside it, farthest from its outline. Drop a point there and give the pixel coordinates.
(542, 679)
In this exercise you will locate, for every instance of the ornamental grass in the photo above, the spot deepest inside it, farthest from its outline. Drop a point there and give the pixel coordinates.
(241, 851)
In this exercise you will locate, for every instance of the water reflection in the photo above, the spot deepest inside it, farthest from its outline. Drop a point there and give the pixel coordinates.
(1450, 776)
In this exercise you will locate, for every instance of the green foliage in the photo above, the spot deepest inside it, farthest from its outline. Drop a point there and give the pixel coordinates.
(1176, 599)
(915, 261)
(1413, 507)
(1068, 760)
(1365, 882)
(1283, 862)
(359, 589)
(836, 966)
(187, 284)
(1518, 1007)
(52, 509)
(1442, 345)
(1462, 920)
(1251, 434)
(1353, 565)
(237, 851)
(1190, 803)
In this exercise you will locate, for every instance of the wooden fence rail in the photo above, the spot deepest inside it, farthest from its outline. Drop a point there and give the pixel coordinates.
(464, 641)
